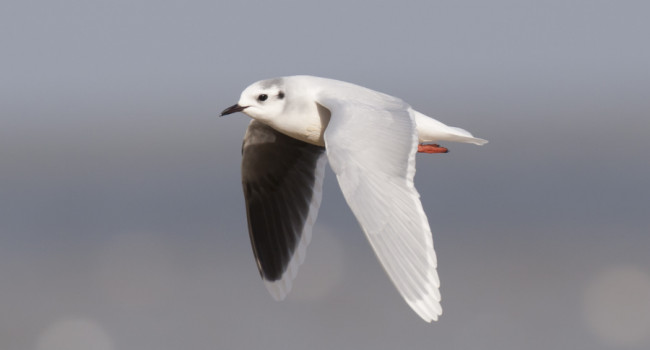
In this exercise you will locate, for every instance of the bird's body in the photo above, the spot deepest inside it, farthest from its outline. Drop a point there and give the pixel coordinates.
(307, 121)
(370, 140)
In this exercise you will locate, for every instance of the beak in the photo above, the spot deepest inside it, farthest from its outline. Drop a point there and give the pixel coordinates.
(233, 109)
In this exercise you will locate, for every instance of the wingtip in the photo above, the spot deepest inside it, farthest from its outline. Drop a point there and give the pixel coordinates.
(278, 289)
(431, 317)
(429, 309)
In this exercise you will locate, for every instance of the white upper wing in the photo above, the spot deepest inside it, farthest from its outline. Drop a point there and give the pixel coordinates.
(371, 143)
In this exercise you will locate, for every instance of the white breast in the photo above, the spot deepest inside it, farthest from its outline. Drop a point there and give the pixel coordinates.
(305, 122)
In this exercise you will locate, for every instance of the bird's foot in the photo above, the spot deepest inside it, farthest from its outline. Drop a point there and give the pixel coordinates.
(431, 148)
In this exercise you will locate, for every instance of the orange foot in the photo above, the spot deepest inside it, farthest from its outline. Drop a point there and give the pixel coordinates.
(432, 148)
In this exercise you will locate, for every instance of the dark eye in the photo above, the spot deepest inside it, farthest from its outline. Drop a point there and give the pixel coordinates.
(280, 95)
(262, 97)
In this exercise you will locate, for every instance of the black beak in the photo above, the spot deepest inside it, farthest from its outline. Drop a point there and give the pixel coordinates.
(232, 109)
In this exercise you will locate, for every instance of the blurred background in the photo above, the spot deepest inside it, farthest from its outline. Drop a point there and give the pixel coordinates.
(122, 223)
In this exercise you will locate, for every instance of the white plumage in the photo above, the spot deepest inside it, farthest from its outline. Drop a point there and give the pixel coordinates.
(370, 140)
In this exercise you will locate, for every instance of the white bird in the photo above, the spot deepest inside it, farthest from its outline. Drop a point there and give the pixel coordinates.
(370, 140)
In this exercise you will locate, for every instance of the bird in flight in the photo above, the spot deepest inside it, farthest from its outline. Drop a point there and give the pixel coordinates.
(370, 140)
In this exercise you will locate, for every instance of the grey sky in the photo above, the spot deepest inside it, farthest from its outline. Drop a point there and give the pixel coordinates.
(122, 221)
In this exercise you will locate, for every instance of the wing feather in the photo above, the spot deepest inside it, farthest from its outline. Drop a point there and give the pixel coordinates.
(371, 147)
(282, 179)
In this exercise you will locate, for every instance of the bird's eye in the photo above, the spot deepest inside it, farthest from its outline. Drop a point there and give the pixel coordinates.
(262, 97)
(280, 95)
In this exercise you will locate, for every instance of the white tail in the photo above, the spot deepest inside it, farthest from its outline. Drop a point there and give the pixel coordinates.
(431, 130)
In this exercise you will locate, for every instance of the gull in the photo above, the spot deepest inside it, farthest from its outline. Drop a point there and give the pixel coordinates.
(370, 140)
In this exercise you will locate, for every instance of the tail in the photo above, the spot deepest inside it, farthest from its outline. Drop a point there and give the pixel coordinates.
(462, 135)
(431, 130)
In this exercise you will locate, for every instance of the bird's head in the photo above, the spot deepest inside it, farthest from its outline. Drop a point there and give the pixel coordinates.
(264, 100)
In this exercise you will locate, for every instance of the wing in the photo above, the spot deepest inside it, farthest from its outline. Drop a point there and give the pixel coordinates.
(282, 179)
(371, 147)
